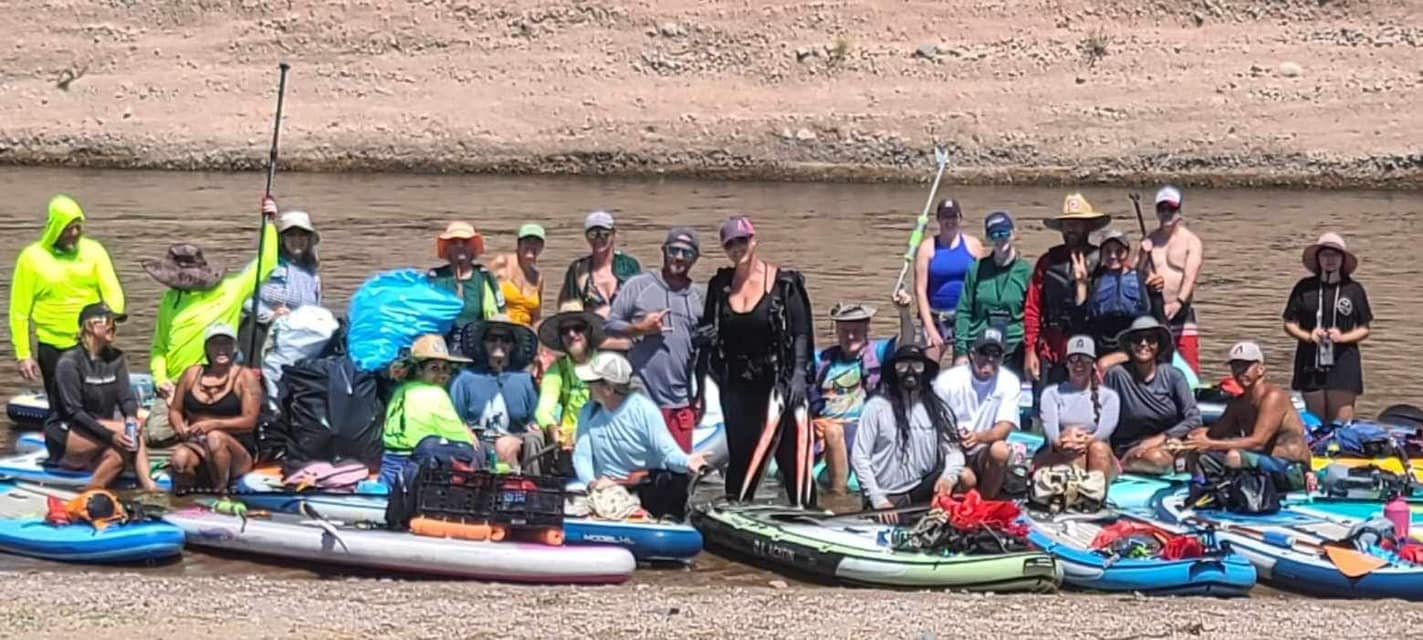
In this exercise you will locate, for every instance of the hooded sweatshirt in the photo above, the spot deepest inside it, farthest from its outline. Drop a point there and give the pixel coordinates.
(50, 286)
(184, 316)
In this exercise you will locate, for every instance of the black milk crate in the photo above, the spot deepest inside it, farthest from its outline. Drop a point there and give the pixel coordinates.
(481, 496)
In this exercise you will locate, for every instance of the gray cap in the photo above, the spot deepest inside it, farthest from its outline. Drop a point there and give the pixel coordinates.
(685, 237)
(219, 329)
(1081, 345)
(598, 220)
(1246, 352)
(991, 338)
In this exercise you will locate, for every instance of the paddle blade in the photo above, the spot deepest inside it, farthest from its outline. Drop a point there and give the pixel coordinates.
(1351, 563)
(774, 407)
(805, 451)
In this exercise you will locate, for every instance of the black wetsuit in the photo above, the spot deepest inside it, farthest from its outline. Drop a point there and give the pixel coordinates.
(88, 390)
(750, 354)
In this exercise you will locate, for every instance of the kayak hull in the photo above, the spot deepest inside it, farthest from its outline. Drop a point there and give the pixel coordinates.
(294, 538)
(1227, 575)
(848, 552)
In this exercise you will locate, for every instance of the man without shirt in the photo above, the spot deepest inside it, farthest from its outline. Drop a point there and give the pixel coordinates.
(1175, 255)
(1260, 429)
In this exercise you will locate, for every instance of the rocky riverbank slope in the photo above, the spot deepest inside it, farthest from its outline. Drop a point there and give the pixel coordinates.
(1246, 92)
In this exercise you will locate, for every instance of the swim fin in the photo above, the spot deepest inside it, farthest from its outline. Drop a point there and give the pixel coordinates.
(775, 406)
(805, 454)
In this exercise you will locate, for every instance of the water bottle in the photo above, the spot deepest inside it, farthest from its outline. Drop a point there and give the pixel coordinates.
(131, 432)
(1398, 512)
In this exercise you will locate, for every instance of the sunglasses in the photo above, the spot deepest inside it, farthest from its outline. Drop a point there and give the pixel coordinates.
(598, 234)
(914, 367)
(574, 328)
(1079, 361)
(735, 242)
(438, 366)
(1000, 234)
(988, 355)
(1142, 339)
(680, 253)
(502, 338)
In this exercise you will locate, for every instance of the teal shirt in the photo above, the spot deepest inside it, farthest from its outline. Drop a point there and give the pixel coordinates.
(992, 295)
(615, 444)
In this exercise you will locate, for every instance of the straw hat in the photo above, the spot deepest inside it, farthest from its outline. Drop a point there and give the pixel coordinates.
(1076, 207)
(551, 330)
(1329, 240)
(431, 346)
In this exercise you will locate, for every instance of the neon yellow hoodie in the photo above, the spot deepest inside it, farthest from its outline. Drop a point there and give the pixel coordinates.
(51, 287)
(184, 316)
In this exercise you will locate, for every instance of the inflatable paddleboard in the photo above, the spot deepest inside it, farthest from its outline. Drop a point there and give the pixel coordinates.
(294, 537)
(24, 532)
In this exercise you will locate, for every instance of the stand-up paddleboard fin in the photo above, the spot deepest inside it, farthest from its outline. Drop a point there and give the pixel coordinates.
(774, 407)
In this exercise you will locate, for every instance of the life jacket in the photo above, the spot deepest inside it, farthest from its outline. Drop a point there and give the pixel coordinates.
(1117, 294)
(1059, 295)
(97, 507)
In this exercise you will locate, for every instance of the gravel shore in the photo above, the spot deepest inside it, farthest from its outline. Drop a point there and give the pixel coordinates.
(69, 605)
(1214, 92)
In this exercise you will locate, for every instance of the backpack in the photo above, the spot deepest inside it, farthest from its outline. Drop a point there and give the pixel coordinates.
(1357, 440)
(327, 411)
(1117, 295)
(1235, 490)
(1065, 487)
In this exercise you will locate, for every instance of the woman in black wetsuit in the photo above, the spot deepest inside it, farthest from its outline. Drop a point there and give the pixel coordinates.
(757, 336)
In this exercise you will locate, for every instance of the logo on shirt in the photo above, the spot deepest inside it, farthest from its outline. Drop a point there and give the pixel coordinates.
(109, 379)
(1344, 306)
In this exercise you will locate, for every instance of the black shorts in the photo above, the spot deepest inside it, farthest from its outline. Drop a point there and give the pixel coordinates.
(1347, 374)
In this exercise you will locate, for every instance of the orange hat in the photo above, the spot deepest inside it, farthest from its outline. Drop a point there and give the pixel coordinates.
(459, 231)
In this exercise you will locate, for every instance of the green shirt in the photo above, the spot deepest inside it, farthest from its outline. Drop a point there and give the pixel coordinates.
(481, 295)
(184, 316)
(993, 295)
(419, 410)
(561, 396)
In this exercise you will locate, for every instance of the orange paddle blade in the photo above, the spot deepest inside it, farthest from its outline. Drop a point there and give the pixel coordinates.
(774, 407)
(1353, 564)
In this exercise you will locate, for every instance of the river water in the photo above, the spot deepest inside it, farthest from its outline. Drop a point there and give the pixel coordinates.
(848, 239)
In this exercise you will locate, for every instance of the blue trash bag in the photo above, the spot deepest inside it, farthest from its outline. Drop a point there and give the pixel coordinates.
(392, 309)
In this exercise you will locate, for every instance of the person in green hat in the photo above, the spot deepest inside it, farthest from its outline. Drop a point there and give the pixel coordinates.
(54, 279)
(520, 279)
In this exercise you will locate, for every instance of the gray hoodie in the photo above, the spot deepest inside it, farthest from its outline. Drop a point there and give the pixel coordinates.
(662, 361)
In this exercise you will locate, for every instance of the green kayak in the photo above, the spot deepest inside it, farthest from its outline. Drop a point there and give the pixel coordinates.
(855, 551)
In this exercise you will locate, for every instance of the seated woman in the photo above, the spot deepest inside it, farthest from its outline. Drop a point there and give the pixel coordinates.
(906, 449)
(575, 335)
(421, 409)
(496, 395)
(1079, 415)
(1157, 406)
(214, 414)
(92, 405)
(622, 439)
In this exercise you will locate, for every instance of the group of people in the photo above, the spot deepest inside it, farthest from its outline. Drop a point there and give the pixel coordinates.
(610, 387)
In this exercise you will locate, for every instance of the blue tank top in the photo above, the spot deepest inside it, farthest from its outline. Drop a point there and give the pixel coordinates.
(947, 270)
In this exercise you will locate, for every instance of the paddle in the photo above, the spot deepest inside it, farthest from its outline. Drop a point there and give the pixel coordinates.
(262, 228)
(1158, 299)
(941, 157)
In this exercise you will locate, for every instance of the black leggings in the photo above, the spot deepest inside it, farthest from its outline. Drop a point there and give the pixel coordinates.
(743, 407)
(48, 358)
(664, 494)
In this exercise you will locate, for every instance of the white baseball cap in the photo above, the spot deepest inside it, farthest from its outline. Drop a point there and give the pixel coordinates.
(607, 366)
(598, 220)
(1081, 345)
(1246, 352)
(1170, 195)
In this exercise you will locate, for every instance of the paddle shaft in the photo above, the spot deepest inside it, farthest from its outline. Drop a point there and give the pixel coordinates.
(1157, 298)
(262, 227)
(941, 157)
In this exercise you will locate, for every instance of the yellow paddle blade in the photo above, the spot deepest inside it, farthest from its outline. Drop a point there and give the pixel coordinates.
(1353, 564)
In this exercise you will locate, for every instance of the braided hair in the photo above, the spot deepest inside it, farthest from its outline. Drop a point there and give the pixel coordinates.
(941, 417)
(1094, 384)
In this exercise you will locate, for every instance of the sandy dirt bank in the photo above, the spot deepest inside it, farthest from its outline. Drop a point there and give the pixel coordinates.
(33, 605)
(1245, 92)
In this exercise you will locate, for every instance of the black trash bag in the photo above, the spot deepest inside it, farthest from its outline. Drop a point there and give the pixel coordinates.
(327, 411)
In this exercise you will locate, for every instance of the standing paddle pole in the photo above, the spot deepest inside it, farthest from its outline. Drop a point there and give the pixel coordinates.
(941, 157)
(1158, 301)
(262, 226)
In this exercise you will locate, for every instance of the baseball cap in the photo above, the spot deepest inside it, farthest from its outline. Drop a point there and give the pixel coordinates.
(531, 231)
(1246, 352)
(607, 366)
(735, 228)
(685, 237)
(1081, 345)
(1115, 235)
(998, 223)
(1169, 195)
(598, 220)
(991, 339)
(949, 207)
(98, 310)
(220, 330)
